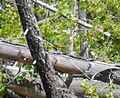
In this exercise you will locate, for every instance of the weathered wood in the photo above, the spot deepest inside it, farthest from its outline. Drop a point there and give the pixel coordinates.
(35, 42)
(25, 91)
(102, 90)
(61, 63)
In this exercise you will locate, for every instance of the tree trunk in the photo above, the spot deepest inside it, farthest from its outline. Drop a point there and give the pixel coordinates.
(52, 88)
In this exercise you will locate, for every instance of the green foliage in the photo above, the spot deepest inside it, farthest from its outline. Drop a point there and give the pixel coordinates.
(92, 90)
(2, 90)
(89, 91)
(111, 89)
(20, 77)
(10, 26)
(30, 69)
(56, 29)
(104, 15)
(109, 95)
(2, 86)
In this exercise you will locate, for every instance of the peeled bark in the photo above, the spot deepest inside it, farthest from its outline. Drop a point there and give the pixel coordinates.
(61, 63)
(52, 88)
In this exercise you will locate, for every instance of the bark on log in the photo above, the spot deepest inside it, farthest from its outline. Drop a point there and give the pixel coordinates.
(62, 63)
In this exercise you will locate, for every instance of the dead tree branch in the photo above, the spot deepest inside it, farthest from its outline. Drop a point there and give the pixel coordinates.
(62, 63)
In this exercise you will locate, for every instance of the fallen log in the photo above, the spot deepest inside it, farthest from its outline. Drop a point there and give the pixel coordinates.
(102, 89)
(24, 91)
(28, 90)
(61, 63)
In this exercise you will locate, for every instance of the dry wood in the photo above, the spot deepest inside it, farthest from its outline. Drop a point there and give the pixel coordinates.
(25, 91)
(62, 63)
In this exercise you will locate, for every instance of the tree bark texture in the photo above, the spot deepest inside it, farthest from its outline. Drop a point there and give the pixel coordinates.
(40, 57)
